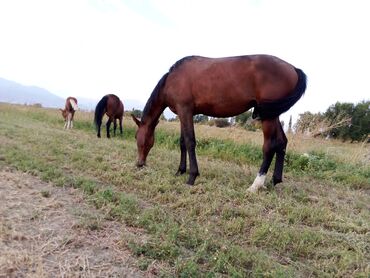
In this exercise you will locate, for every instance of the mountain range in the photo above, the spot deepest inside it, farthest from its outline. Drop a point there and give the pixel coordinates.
(13, 92)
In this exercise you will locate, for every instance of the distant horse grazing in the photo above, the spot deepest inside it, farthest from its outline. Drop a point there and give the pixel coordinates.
(69, 112)
(113, 107)
(224, 87)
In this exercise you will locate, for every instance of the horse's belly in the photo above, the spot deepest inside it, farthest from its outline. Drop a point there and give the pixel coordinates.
(223, 108)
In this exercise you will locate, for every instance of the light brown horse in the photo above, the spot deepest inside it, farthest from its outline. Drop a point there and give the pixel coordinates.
(224, 87)
(113, 107)
(68, 112)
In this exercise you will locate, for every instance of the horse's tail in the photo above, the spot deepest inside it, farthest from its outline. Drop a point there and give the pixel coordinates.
(73, 104)
(100, 110)
(273, 109)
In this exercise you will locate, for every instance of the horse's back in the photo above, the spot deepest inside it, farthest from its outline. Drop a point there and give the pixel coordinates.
(71, 104)
(228, 86)
(115, 106)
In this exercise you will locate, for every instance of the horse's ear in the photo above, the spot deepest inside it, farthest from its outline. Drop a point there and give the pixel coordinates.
(136, 120)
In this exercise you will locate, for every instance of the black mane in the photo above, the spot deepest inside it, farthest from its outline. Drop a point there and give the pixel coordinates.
(153, 97)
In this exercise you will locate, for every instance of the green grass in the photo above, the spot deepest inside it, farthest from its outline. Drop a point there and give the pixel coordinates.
(314, 224)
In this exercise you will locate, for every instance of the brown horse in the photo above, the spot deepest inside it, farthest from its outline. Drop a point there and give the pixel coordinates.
(68, 112)
(113, 107)
(224, 87)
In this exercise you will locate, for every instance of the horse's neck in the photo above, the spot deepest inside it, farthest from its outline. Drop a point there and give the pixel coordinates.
(152, 115)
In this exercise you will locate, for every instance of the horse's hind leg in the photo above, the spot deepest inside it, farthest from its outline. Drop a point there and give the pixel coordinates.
(120, 125)
(72, 116)
(114, 126)
(270, 129)
(182, 166)
(108, 127)
(69, 121)
(98, 127)
(282, 142)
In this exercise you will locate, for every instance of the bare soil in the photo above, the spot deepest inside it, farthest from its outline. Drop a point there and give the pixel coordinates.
(48, 231)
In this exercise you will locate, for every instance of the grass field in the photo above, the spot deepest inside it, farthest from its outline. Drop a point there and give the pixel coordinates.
(315, 224)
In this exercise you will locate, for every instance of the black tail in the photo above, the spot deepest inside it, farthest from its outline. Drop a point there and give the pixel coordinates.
(273, 109)
(100, 110)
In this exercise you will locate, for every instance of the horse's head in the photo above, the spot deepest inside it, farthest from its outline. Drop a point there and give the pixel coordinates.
(144, 140)
(64, 113)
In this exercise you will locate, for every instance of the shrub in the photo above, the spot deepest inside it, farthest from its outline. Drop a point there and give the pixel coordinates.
(222, 122)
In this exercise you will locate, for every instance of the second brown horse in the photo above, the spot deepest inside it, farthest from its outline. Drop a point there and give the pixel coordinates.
(224, 87)
(112, 106)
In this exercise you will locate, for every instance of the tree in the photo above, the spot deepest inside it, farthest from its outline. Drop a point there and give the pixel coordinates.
(309, 123)
(345, 121)
(360, 123)
(243, 118)
(222, 122)
(137, 113)
(200, 118)
(290, 124)
(340, 112)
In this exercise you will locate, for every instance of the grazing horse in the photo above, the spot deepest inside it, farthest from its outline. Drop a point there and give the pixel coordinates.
(113, 107)
(69, 112)
(224, 87)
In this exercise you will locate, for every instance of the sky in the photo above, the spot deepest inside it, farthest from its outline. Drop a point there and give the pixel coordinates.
(90, 48)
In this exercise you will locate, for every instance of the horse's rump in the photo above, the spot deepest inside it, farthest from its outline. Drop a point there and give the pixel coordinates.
(100, 110)
(73, 104)
(272, 109)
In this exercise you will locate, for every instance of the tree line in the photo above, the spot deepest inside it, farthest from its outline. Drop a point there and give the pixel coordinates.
(344, 121)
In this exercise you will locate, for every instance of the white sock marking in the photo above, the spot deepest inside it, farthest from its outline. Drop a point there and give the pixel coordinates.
(258, 183)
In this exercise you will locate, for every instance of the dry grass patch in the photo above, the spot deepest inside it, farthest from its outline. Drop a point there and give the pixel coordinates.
(56, 235)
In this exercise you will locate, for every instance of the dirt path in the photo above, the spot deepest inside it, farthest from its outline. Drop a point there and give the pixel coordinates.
(46, 231)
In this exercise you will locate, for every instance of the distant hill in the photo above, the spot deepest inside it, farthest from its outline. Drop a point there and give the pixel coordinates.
(14, 92)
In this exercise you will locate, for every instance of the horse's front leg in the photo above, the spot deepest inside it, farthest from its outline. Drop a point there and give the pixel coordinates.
(182, 166)
(187, 127)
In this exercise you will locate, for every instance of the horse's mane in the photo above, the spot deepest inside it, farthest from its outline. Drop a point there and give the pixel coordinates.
(153, 97)
(155, 94)
(180, 62)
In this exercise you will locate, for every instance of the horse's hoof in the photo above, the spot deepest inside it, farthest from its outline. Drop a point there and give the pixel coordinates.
(275, 181)
(191, 179)
(179, 172)
(254, 189)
